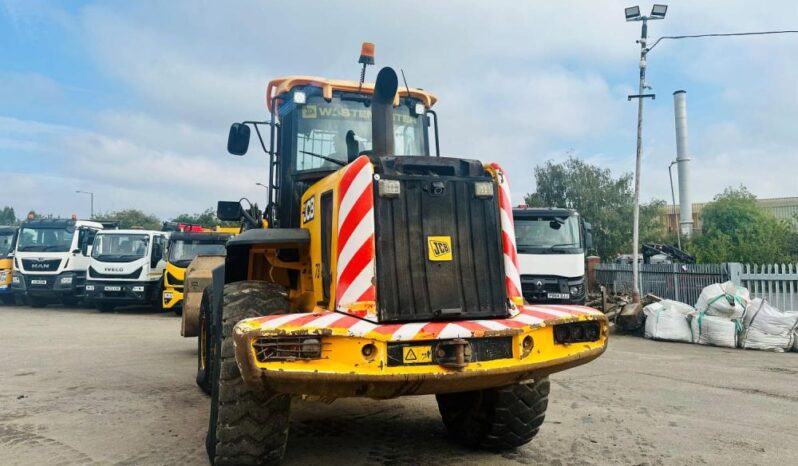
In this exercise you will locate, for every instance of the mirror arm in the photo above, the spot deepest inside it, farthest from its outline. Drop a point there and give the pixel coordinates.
(257, 131)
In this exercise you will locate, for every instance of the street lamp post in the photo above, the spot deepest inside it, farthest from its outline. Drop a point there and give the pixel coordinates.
(92, 200)
(633, 14)
(261, 185)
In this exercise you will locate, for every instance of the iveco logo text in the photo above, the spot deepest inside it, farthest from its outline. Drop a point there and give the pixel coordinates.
(113, 269)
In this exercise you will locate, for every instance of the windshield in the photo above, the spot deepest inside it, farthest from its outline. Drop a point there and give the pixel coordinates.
(45, 239)
(323, 126)
(548, 234)
(119, 248)
(6, 243)
(182, 252)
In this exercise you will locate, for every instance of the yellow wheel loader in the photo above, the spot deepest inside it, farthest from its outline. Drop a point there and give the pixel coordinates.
(375, 270)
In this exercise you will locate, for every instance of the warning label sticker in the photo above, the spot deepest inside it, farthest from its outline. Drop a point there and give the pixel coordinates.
(416, 354)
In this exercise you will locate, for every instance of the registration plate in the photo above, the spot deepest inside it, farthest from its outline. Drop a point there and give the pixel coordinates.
(558, 295)
(113, 288)
(38, 282)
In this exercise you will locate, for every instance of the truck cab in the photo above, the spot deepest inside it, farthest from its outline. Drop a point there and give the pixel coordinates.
(126, 267)
(182, 248)
(551, 245)
(51, 259)
(8, 236)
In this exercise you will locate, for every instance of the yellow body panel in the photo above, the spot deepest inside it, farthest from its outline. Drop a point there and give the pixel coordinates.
(6, 264)
(172, 293)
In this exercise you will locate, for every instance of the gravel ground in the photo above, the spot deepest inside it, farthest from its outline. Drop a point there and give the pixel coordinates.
(79, 387)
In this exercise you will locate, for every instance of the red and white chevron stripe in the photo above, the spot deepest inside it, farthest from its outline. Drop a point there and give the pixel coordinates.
(512, 277)
(356, 260)
(349, 325)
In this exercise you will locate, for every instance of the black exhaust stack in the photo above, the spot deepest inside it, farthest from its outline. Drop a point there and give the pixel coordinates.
(382, 112)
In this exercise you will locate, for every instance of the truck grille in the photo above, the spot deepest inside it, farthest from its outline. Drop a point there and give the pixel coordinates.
(93, 273)
(439, 251)
(47, 265)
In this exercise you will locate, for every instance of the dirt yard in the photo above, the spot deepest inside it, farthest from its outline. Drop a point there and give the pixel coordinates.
(80, 387)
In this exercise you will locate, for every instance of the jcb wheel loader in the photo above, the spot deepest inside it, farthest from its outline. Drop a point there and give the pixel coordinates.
(376, 270)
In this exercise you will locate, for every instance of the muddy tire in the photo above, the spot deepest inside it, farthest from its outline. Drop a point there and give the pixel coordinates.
(496, 419)
(247, 426)
(204, 342)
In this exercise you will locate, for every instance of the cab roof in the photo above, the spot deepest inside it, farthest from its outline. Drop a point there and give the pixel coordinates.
(132, 231)
(532, 212)
(209, 236)
(59, 223)
(280, 86)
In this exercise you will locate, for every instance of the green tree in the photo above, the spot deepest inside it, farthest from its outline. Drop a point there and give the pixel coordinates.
(7, 216)
(207, 218)
(603, 200)
(129, 218)
(735, 229)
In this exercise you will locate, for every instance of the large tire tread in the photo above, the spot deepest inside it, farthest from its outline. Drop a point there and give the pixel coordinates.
(496, 419)
(248, 426)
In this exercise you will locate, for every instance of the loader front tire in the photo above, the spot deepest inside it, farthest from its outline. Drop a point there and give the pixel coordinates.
(498, 418)
(247, 426)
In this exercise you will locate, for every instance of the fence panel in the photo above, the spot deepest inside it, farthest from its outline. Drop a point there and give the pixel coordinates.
(778, 283)
(680, 282)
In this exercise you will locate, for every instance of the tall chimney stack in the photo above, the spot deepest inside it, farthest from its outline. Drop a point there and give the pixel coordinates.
(683, 159)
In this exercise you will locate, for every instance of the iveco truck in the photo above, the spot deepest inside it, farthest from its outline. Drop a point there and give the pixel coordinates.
(8, 237)
(126, 268)
(51, 258)
(551, 245)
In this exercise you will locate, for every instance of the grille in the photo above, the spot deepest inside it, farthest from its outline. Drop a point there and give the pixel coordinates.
(93, 273)
(287, 348)
(50, 265)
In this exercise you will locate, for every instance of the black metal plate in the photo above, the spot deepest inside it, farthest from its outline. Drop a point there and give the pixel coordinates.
(482, 349)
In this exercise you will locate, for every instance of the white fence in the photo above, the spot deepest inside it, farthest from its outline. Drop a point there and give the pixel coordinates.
(778, 283)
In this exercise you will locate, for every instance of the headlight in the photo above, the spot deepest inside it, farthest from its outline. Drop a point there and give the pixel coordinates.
(66, 280)
(89, 287)
(3, 275)
(483, 189)
(167, 295)
(576, 290)
(138, 288)
(14, 279)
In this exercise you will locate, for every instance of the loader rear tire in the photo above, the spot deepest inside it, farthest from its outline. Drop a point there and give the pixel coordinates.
(205, 342)
(247, 426)
(496, 419)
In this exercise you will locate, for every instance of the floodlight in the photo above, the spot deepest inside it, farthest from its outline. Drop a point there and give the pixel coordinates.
(658, 11)
(632, 13)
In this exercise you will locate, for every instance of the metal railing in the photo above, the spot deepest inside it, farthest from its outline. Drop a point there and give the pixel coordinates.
(778, 283)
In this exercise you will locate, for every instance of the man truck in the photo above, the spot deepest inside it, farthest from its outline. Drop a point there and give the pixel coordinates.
(376, 270)
(126, 267)
(551, 245)
(51, 259)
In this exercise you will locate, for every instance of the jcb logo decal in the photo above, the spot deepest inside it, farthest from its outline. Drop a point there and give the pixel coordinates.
(308, 210)
(440, 248)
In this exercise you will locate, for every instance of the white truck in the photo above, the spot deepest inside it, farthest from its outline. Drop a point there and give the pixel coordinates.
(51, 258)
(551, 245)
(126, 268)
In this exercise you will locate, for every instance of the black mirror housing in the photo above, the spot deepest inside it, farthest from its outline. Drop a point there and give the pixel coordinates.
(588, 236)
(238, 139)
(228, 211)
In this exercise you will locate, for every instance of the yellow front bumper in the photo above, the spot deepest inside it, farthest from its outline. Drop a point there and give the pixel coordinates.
(344, 371)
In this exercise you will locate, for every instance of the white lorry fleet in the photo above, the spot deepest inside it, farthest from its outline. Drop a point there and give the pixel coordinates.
(51, 258)
(126, 268)
(551, 246)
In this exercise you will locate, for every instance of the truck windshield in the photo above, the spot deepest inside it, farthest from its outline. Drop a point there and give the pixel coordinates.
(119, 248)
(45, 239)
(323, 126)
(548, 234)
(182, 252)
(6, 243)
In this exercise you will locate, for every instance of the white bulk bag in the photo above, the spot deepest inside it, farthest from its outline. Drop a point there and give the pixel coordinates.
(665, 323)
(767, 328)
(723, 300)
(713, 330)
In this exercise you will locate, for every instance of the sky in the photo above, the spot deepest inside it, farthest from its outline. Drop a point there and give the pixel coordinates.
(133, 100)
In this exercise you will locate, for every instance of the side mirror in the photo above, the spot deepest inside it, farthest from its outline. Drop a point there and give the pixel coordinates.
(588, 236)
(238, 139)
(77, 251)
(228, 211)
(157, 255)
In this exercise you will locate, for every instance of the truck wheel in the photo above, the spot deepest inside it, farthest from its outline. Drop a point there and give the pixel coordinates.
(36, 302)
(104, 307)
(498, 418)
(247, 426)
(204, 342)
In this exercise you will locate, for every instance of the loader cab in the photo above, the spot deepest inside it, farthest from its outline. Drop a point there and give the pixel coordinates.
(318, 126)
